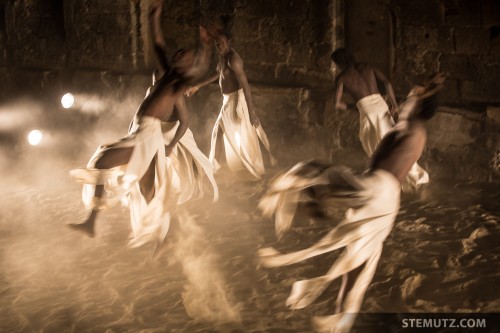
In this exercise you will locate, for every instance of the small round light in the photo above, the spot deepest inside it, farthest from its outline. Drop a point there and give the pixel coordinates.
(67, 100)
(35, 137)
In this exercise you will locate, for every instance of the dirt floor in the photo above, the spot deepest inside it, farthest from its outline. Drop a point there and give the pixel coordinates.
(442, 256)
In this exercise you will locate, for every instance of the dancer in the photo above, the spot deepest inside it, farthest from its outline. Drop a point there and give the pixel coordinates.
(237, 125)
(375, 117)
(192, 167)
(373, 202)
(116, 168)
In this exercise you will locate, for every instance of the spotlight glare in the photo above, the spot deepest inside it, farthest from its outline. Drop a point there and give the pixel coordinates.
(67, 100)
(35, 137)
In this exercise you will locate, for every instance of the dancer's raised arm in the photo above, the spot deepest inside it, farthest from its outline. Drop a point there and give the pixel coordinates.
(160, 46)
(203, 55)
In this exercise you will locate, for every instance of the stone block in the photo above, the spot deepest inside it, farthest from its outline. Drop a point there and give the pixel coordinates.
(426, 13)
(453, 127)
(493, 116)
(458, 66)
(262, 52)
(314, 31)
(256, 9)
(472, 40)
(491, 12)
(216, 8)
(280, 32)
(321, 56)
(114, 24)
(483, 90)
(410, 64)
(320, 13)
(245, 28)
(299, 56)
(302, 76)
(257, 72)
(462, 13)
(428, 38)
(264, 27)
(182, 11)
(293, 10)
(450, 93)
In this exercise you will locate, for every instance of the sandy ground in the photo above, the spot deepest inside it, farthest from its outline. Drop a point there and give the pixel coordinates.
(442, 256)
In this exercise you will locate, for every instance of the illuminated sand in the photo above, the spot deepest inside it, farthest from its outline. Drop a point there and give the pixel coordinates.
(442, 256)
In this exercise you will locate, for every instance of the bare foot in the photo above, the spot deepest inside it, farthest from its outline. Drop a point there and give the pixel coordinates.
(86, 227)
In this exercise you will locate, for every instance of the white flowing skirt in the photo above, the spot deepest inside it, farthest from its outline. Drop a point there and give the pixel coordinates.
(241, 138)
(372, 200)
(191, 165)
(149, 221)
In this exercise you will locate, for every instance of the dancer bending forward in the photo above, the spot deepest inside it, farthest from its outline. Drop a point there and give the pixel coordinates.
(373, 202)
(375, 117)
(135, 164)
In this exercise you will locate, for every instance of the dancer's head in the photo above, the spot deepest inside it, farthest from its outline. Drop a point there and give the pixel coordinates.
(221, 28)
(342, 58)
(222, 43)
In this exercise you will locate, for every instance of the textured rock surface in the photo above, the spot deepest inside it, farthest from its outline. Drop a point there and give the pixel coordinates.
(103, 47)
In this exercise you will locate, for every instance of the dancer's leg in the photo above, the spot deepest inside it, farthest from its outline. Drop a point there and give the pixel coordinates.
(346, 286)
(219, 145)
(108, 159)
(147, 182)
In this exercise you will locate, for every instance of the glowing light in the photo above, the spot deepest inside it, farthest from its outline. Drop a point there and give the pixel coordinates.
(237, 138)
(35, 137)
(67, 100)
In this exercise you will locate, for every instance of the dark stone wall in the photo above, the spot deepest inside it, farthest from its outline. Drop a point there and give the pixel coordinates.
(282, 42)
(409, 40)
(459, 37)
(60, 34)
(103, 48)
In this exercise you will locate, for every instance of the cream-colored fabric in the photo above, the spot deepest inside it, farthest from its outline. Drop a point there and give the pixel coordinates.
(374, 122)
(149, 221)
(372, 200)
(191, 165)
(241, 138)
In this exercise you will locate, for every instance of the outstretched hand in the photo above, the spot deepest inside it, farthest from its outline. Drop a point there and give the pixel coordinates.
(431, 87)
(191, 91)
(438, 78)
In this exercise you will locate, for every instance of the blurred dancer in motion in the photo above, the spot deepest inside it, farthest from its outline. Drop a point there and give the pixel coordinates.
(192, 167)
(134, 167)
(375, 117)
(188, 170)
(237, 125)
(373, 202)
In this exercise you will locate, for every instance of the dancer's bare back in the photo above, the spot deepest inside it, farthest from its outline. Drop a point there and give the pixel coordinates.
(360, 80)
